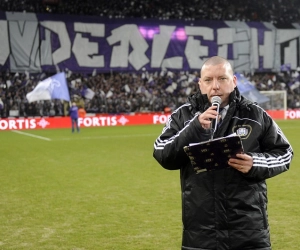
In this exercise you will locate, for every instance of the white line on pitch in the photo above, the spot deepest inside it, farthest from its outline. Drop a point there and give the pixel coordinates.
(103, 137)
(35, 136)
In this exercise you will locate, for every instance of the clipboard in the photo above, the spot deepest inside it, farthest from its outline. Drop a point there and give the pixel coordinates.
(213, 154)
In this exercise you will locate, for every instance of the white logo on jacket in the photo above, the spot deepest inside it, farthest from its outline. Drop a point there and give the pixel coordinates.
(242, 130)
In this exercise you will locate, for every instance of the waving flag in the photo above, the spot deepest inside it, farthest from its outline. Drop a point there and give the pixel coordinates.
(89, 94)
(54, 87)
(249, 91)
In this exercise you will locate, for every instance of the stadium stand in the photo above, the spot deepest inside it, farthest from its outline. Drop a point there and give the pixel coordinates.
(148, 91)
(275, 11)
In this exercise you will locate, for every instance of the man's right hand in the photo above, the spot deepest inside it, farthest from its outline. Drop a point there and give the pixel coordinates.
(206, 117)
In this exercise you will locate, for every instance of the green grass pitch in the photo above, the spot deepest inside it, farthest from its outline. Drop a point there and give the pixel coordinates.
(102, 189)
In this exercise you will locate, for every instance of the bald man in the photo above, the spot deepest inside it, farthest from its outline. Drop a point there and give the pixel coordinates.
(224, 208)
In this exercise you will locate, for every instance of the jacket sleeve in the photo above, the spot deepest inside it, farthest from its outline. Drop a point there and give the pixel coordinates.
(177, 133)
(276, 152)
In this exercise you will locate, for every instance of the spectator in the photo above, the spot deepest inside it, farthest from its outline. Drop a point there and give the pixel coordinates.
(81, 112)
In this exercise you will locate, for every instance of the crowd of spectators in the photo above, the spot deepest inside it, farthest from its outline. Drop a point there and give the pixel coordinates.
(116, 93)
(275, 11)
(113, 93)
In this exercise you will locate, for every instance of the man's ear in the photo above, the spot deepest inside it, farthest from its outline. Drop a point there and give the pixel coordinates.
(234, 80)
(199, 82)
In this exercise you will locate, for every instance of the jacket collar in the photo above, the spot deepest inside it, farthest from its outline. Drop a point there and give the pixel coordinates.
(200, 102)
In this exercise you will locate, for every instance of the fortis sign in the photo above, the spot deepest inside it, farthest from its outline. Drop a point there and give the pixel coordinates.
(89, 121)
(107, 120)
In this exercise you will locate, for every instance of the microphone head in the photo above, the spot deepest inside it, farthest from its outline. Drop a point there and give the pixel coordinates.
(216, 100)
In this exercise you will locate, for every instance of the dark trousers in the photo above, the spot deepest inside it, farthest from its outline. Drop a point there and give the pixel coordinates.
(75, 125)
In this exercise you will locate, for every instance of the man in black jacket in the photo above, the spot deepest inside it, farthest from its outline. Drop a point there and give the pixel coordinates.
(224, 208)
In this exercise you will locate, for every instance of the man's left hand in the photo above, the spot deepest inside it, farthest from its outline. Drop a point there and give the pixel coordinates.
(242, 163)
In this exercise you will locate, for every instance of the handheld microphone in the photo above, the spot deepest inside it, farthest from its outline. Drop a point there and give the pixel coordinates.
(215, 101)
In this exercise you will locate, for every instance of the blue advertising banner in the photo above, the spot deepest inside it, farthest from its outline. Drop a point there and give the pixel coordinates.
(42, 42)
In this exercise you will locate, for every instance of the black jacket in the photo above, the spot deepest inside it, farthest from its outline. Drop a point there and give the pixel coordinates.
(224, 209)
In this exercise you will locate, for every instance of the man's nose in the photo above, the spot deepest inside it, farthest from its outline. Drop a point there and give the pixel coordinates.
(216, 84)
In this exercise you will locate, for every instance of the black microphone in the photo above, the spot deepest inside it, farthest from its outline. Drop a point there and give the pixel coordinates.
(215, 101)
